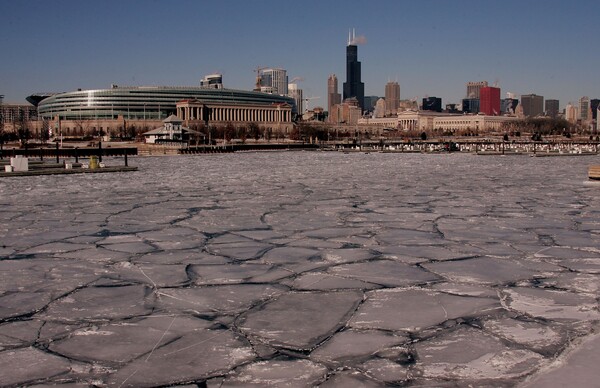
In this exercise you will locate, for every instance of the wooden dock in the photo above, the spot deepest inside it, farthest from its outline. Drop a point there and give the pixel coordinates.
(594, 172)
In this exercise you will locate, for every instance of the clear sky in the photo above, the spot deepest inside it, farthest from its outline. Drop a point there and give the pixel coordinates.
(431, 47)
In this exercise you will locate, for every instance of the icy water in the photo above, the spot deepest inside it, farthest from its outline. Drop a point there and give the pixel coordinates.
(297, 269)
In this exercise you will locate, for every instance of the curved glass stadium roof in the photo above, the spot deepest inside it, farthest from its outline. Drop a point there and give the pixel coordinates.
(149, 102)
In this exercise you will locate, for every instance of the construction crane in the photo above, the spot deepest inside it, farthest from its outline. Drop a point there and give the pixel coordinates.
(258, 80)
(296, 79)
(307, 99)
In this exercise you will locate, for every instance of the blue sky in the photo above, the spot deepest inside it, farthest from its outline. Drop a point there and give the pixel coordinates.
(432, 48)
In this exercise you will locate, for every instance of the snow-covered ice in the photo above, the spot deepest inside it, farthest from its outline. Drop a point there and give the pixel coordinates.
(302, 269)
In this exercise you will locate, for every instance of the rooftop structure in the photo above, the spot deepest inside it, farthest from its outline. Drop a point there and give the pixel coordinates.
(212, 81)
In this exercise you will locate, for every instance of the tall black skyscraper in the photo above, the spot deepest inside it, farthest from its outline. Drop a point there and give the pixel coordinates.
(353, 87)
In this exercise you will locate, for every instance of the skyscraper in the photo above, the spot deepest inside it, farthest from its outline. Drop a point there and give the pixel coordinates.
(432, 103)
(584, 109)
(509, 105)
(473, 88)
(551, 108)
(392, 98)
(571, 113)
(489, 100)
(276, 79)
(353, 87)
(297, 95)
(333, 97)
(470, 105)
(533, 105)
(370, 102)
(594, 104)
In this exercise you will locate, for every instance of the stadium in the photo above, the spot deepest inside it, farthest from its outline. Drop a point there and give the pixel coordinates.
(142, 102)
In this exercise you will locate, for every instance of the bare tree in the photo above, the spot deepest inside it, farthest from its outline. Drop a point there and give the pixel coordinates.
(242, 133)
(45, 131)
(229, 132)
(22, 127)
(254, 131)
(131, 131)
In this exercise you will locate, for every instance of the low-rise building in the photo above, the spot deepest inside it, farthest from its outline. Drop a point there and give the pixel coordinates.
(429, 120)
(274, 116)
(172, 131)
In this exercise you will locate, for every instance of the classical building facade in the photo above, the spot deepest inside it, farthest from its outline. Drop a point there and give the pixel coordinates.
(275, 116)
(431, 121)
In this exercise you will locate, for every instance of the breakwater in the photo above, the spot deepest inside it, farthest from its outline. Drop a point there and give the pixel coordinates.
(72, 152)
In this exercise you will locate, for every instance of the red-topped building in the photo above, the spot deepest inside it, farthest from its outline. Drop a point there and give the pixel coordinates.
(489, 101)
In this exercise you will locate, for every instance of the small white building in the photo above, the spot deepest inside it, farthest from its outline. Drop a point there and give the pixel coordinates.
(171, 131)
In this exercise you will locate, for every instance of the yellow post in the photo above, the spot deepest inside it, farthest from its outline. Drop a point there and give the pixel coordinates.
(93, 162)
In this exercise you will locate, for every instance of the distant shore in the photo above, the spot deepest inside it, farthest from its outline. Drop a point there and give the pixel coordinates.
(480, 146)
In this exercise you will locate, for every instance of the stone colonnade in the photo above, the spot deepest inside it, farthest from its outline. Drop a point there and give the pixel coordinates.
(190, 110)
(408, 124)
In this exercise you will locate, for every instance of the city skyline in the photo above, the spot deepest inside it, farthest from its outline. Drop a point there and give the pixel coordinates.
(429, 48)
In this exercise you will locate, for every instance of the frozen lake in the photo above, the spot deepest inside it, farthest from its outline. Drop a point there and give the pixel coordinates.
(294, 269)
